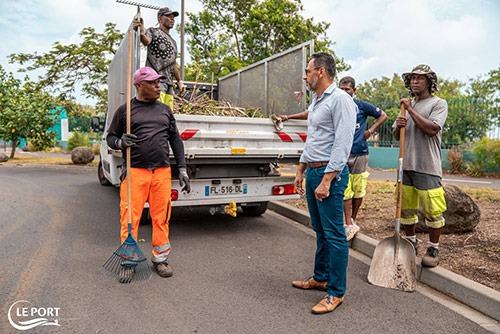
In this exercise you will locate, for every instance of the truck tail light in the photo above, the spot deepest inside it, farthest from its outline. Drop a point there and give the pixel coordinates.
(284, 189)
(174, 195)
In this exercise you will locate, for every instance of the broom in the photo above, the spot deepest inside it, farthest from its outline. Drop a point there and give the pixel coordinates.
(128, 263)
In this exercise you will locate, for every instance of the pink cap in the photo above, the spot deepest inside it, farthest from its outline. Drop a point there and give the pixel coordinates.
(146, 74)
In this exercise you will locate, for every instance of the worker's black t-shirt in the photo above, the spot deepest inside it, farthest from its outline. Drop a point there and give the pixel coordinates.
(154, 125)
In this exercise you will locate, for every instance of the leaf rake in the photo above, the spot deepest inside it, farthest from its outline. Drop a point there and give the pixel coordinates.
(128, 264)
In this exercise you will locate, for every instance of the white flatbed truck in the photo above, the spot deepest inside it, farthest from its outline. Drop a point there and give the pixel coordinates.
(232, 162)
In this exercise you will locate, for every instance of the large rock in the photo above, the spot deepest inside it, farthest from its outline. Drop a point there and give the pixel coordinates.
(3, 158)
(462, 215)
(82, 155)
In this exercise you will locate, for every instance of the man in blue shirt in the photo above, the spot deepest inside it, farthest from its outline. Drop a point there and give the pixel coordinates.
(358, 159)
(330, 129)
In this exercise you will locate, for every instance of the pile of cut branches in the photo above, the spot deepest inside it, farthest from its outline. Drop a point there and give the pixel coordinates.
(203, 105)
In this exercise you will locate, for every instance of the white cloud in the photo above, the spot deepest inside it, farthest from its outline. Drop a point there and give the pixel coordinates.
(378, 38)
(458, 38)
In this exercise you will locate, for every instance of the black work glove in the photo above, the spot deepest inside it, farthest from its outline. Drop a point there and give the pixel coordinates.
(184, 180)
(127, 140)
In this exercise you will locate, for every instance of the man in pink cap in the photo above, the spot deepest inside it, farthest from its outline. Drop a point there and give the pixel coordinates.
(153, 131)
(162, 53)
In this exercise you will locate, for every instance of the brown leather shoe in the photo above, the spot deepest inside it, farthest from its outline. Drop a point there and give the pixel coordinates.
(327, 304)
(310, 283)
(164, 269)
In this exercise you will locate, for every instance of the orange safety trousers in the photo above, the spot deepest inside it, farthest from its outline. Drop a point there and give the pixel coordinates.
(154, 187)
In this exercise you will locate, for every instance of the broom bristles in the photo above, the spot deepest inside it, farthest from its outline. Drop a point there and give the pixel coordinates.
(128, 257)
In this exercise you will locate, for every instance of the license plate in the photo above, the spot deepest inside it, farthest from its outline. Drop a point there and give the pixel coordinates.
(222, 189)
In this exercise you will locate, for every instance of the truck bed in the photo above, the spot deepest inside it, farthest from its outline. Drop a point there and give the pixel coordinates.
(241, 139)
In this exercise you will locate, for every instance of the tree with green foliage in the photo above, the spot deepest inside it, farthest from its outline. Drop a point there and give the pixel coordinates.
(25, 113)
(231, 34)
(67, 66)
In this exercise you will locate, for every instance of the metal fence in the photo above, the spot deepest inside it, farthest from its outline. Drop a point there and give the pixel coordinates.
(469, 120)
(273, 85)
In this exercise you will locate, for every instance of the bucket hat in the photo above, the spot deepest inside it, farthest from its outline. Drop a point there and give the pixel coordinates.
(421, 69)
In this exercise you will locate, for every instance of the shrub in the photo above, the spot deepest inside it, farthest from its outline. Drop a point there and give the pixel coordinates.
(455, 160)
(96, 148)
(474, 170)
(78, 139)
(487, 153)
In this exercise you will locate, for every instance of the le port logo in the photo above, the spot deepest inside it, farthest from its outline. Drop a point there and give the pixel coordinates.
(23, 315)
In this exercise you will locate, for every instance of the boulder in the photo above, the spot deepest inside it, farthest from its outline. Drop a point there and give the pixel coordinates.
(3, 157)
(462, 215)
(82, 155)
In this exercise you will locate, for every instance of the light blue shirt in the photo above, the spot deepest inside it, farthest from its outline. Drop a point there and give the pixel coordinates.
(330, 128)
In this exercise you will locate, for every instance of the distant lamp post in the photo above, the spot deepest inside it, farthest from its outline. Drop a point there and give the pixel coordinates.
(182, 40)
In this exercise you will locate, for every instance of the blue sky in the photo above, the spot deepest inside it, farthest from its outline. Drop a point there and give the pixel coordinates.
(457, 38)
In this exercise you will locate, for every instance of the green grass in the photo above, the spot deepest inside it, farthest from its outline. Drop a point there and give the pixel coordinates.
(45, 161)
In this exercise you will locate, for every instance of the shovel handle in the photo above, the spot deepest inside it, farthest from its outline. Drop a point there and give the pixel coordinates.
(400, 165)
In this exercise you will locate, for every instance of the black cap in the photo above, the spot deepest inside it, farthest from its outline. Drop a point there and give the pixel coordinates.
(167, 11)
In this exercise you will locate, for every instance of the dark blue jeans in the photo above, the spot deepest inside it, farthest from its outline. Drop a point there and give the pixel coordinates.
(327, 219)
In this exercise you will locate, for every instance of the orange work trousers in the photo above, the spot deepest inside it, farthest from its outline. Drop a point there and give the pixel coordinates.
(154, 187)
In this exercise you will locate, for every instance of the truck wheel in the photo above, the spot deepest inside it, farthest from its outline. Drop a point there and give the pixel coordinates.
(255, 209)
(100, 175)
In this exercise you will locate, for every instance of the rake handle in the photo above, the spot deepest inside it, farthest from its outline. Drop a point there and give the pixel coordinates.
(128, 95)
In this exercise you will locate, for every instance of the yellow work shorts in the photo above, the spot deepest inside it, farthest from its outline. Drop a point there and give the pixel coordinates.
(425, 191)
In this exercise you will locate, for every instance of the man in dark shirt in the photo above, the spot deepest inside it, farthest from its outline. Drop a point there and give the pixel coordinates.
(152, 130)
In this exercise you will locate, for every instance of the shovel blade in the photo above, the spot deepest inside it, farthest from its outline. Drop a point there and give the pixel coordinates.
(393, 265)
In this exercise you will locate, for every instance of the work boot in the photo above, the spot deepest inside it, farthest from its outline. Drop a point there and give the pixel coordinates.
(163, 269)
(310, 283)
(351, 230)
(327, 304)
(126, 274)
(431, 257)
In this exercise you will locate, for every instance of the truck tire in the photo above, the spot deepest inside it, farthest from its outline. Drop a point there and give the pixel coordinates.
(255, 209)
(100, 175)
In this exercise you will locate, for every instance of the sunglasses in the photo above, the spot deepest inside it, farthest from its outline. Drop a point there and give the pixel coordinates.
(307, 71)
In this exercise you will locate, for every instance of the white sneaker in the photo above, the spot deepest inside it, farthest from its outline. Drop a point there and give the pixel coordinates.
(351, 230)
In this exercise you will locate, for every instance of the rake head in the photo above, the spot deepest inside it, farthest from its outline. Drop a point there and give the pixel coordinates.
(128, 264)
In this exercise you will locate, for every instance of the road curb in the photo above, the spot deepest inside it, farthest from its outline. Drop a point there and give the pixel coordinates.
(469, 292)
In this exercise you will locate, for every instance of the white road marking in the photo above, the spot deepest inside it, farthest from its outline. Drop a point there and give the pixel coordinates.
(465, 181)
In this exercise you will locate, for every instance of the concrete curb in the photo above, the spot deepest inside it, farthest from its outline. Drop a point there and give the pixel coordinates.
(464, 290)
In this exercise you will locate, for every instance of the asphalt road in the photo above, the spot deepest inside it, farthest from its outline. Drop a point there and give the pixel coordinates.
(231, 275)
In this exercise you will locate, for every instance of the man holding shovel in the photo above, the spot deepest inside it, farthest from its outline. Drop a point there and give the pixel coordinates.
(330, 128)
(422, 171)
(153, 131)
